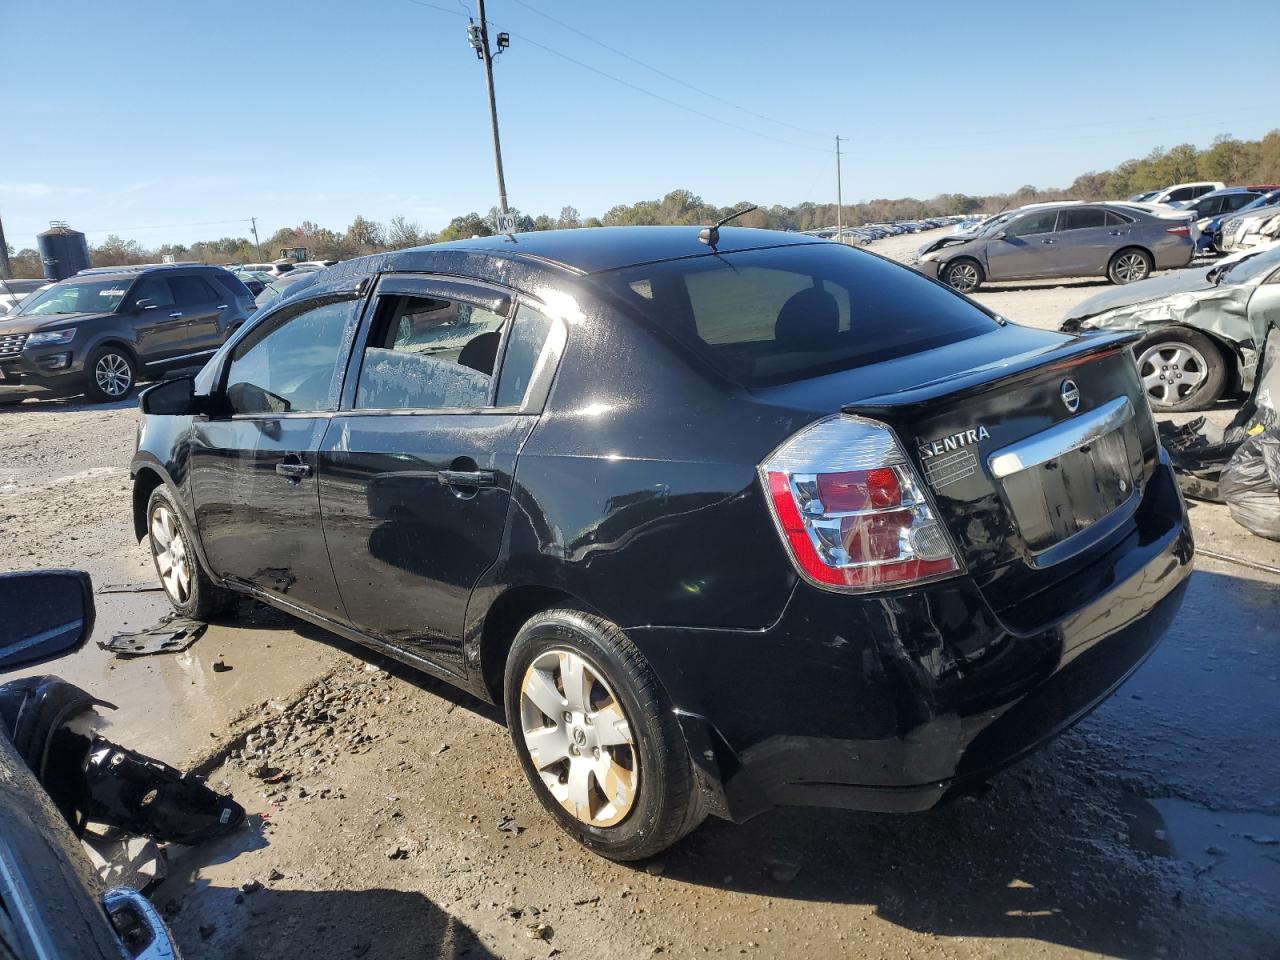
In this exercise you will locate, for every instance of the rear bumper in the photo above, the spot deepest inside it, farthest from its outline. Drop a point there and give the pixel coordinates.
(895, 702)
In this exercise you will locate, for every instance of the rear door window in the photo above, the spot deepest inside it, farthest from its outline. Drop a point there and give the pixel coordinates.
(429, 353)
(1081, 219)
(763, 317)
(192, 291)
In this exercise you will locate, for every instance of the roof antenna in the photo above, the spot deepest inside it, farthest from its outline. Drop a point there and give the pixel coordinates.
(711, 235)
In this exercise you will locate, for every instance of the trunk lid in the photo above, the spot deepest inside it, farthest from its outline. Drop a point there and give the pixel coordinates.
(1029, 488)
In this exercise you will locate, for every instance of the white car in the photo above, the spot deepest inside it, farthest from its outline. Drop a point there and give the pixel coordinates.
(1183, 191)
(13, 292)
(277, 269)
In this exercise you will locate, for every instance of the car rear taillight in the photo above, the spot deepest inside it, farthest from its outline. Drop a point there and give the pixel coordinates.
(1180, 231)
(851, 510)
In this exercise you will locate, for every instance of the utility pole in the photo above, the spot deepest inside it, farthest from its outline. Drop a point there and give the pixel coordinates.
(478, 36)
(839, 194)
(6, 272)
(257, 243)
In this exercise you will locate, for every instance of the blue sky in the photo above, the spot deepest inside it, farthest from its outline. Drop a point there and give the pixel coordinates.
(154, 119)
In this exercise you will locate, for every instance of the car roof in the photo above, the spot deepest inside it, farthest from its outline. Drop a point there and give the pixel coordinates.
(596, 249)
(133, 269)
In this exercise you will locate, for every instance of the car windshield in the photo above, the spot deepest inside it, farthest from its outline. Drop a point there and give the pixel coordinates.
(281, 286)
(763, 317)
(77, 296)
(1266, 200)
(1250, 268)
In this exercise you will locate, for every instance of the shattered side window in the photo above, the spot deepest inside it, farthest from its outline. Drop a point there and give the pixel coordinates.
(429, 353)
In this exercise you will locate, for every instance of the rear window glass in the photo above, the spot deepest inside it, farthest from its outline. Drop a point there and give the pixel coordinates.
(232, 284)
(763, 317)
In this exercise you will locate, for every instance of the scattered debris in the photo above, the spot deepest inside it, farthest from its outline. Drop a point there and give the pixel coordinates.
(398, 852)
(250, 886)
(274, 875)
(507, 824)
(131, 588)
(172, 634)
(440, 749)
(137, 862)
(540, 931)
(220, 666)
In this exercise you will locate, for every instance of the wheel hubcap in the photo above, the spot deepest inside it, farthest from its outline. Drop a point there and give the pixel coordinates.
(964, 277)
(113, 375)
(579, 738)
(170, 550)
(1131, 267)
(1171, 372)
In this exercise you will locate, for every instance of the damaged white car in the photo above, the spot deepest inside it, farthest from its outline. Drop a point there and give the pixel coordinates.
(1203, 327)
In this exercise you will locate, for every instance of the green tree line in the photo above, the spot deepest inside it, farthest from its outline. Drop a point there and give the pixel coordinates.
(1227, 159)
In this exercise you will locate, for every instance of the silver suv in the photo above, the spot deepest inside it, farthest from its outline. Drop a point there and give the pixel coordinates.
(1121, 242)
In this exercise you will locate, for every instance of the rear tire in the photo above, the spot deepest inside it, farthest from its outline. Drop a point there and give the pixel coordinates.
(963, 275)
(188, 587)
(1181, 369)
(112, 372)
(1129, 266)
(615, 745)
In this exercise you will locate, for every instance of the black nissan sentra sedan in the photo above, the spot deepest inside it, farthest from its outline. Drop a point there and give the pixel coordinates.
(724, 526)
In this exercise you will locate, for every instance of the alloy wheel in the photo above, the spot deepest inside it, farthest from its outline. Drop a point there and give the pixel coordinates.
(1130, 267)
(1171, 372)
(169, 548)
(579, 738)
(963, 277)
(112, 374)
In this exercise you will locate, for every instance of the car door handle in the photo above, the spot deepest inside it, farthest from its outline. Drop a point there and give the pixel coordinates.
(1048, 241)
(176, 314)
(467, 478)
(221, 306)
(294, 472)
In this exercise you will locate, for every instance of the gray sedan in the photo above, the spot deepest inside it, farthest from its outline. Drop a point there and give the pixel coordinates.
(1118, 241)
(1203, 327)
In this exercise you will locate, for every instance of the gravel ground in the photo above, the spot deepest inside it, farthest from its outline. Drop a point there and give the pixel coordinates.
(389, 817)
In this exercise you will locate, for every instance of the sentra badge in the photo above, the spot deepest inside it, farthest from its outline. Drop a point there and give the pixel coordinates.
(965, 438)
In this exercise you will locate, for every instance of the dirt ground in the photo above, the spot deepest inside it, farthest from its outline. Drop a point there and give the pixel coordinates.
(390, 819)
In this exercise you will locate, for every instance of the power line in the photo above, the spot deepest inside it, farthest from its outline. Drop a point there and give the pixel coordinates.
(664, 74)
(636, 87)
(170, 226)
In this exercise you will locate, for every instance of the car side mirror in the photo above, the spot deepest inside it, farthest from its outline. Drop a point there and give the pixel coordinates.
(172, 398)
(47, 614)
(146, 303)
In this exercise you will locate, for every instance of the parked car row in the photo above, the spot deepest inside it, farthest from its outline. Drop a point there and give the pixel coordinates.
(866, 233)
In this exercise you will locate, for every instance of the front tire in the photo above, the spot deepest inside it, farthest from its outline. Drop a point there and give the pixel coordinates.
(113, 373)
(963, 275)
(188, 587)
(1181, 369)
(597, 737)
(1129, 266)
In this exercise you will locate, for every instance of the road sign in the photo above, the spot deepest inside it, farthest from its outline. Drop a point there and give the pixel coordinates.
(507, 223)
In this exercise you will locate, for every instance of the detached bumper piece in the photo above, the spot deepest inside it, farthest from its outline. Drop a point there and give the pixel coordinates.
(93, 780)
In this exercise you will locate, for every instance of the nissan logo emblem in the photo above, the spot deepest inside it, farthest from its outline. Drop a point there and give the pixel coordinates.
(1070, 395)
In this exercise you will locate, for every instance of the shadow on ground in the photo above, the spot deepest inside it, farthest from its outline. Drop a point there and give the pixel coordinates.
(372, 924)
